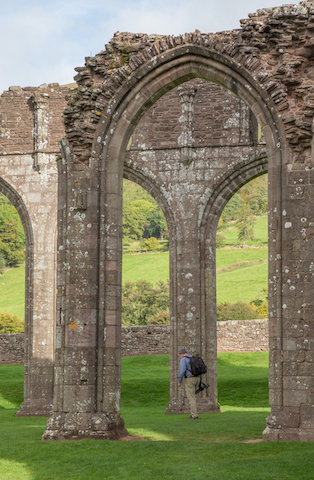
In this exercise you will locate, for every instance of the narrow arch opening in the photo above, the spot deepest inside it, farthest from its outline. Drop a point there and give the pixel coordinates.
(194, 133)
(19, 299)
(12, 268)
(242, 300)
(145, 312)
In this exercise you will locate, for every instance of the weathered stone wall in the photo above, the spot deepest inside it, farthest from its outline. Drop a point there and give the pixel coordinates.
(232, 336)
(12, 348)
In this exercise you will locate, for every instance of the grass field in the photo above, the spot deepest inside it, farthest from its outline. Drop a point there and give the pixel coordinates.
(166, 447)
(12, 287)
(234, 282)
(260, 232)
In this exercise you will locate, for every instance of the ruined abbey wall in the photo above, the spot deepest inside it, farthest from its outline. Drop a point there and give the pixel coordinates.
(31, 124)
(268, 64)
(191, 160)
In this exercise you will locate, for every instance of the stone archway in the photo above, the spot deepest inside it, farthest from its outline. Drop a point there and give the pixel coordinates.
(223, 189)
(38, 378)
(182, 65)
(100, 119)
(30, 129)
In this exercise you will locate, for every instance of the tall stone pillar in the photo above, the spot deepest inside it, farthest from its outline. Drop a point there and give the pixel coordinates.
(291, 322)
(87, 366)
(188, 329)
(40, 310)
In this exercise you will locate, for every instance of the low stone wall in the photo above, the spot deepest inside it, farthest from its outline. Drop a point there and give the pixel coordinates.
(243, 336)
(11, 348)
(232, 335)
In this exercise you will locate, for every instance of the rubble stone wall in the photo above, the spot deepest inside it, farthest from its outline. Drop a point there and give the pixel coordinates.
(233, 336)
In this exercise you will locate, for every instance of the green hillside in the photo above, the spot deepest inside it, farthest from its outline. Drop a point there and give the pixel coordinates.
(241, 274)
(260, 232)
(12, 286)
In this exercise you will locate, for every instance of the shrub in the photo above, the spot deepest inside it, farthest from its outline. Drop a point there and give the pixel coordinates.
(236, 311)
(10, 323)
(151, 244)
(12, 239)
(261, 304)
(261, 309)
(141, 300)
(161, 317)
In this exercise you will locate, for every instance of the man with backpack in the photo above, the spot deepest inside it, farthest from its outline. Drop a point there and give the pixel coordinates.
(191, 381)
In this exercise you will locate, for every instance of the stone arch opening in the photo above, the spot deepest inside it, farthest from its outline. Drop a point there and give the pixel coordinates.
(225, 187)
(190, 63)
(20, 206)
(129, 103)
(143, 180)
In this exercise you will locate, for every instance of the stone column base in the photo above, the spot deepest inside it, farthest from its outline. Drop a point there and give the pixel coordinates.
(181, 405)
(35, 408)
(74, 426)
(288, 435)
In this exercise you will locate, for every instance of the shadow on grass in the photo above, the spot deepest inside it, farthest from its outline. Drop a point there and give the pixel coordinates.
(202, 450)
(24, 456)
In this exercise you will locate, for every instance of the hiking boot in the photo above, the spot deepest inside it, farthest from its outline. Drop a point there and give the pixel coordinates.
(192, 418)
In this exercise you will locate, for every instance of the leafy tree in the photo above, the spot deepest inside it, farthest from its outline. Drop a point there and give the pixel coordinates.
(10, 323)
(245, 223)
(12, 239)
(156, 224)
(141, 300)
(133, 223)
(161, 317)
(142, 216)
(254, 192)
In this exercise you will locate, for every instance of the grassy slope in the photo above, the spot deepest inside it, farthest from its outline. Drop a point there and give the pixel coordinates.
(12, 286)
(207, 449)
(242, 283)
(260, 232)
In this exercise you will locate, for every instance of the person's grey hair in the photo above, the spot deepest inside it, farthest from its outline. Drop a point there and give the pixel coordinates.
(182, 351)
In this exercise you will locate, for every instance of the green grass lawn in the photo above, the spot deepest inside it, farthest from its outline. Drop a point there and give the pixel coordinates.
(12, 287)
(167, 446)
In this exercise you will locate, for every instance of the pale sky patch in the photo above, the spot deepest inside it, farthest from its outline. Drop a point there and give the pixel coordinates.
(44, 40)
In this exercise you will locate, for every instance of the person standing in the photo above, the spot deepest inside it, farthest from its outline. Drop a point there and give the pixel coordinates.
(191, 382)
